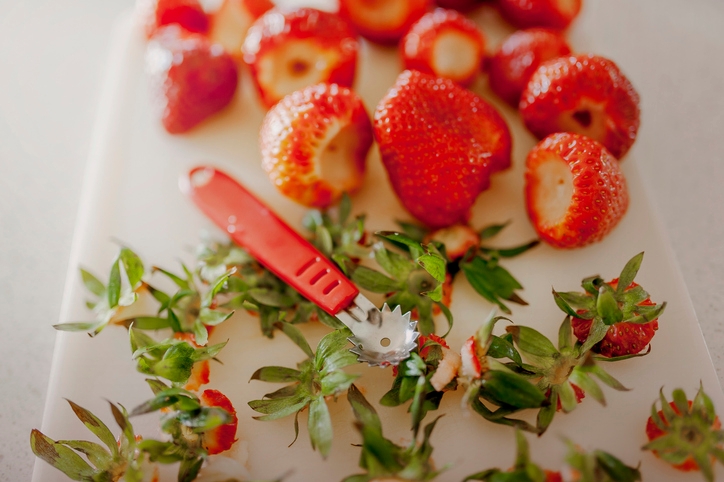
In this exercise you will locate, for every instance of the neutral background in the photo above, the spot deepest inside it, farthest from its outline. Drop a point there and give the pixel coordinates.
(52, 62)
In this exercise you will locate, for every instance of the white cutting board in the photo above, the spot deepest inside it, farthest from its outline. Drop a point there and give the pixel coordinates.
(131, 194)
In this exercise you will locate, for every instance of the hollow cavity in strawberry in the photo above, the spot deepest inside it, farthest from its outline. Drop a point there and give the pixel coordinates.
(191, 78)
(514, 61)
(557, 14)
(446, 44)
(288, 51)
(314, 144)
(382, 21)
(584, 94)
(575, 191)
(231, 21)
(687, 434)
(188, 14)
(439, 144)
(221, 438)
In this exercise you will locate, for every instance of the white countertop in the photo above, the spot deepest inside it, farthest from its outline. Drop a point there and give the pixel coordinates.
(52, 63)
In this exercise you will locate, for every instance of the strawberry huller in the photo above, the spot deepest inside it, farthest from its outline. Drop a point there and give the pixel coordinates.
(380, 337)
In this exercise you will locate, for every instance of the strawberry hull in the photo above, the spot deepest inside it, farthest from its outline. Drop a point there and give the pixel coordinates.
(439, 144)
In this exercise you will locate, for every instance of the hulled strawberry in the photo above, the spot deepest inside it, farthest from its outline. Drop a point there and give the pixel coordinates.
(439, 144)
(687, 434)
(219, 439)
(154, 14)
(585, 94)
(192, 78)
(514, 61)
(614, 319)
(575, 191)
(382, 21)
(557, 14)
(287, 51)
(229, 24)
(314, 144)
(444, 43)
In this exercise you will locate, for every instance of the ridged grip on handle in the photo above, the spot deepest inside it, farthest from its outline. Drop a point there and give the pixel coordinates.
(270, 240)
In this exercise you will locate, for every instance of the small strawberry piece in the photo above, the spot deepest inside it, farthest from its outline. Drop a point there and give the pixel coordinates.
(584, 94)
(287, 51)
(314, 144)
(557, 14)
(575, 191)
(513, 63)
(221, 438)
(230, 23)
(685, 433)
(578, 392)
(382, 21)
(439, 144)
(470, 361)
(446, 44)
(553, 476)
(191, 78)
(201, 369)
(189, 14)
(458, 239)
(424, 350)
(447, 370)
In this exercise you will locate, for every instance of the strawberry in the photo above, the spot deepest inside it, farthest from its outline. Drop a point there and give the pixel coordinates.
(287, 51)
(382, 21)
(458, 239)
(314, 144)
(515, 60)
(192, 79)
(221, 438)
(439, 144)
(201, 370)
(459, 5)
(575, 191)
(584, 94)
(154, 14)
(620, 313)
(230, 22)
(685, 433)
(557, 14)
(446, 44)
(577, 391)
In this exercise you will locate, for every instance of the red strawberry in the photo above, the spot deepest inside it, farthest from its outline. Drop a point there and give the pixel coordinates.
(513, 63)
(383, 21)
(221, 438)
(229, 24)
(288, 51)
(556, 14)
(471, 366)
(201, 370)
(314, 144)
(154, 14)
(575, 192)
(459, 5)
(439, 143)
(584, 94)
(685, 433)
(191, 78)
(446, 44)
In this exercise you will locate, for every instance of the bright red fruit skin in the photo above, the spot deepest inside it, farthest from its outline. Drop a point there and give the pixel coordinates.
(191, 78)
(418, 45)
(585, 94)
(459, 5)
(323, 31)
(439, 144)
(513, 63)
(599, 193)
(382, 21)
(295, 130)
(155, 14)
(221, 438)
(557, 14)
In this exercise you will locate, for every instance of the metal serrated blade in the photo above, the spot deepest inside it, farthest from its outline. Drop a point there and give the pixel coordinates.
(381, 337)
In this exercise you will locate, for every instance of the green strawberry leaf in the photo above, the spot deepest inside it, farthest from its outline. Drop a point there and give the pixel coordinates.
(60, 457)
(628, 273)
(95, 425)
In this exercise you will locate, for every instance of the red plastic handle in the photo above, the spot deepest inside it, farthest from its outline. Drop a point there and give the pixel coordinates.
(270, 240)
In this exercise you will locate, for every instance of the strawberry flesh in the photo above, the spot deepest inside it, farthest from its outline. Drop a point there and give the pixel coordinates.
(221, 438)
(188, 14)
(230, 23)
(575, 191)
(439, 144)
(513, 63)
(192, 79)
(314, 144)
(446, 44)
(556, 14)
(287, 51)
(585, 94)
(382, 21)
